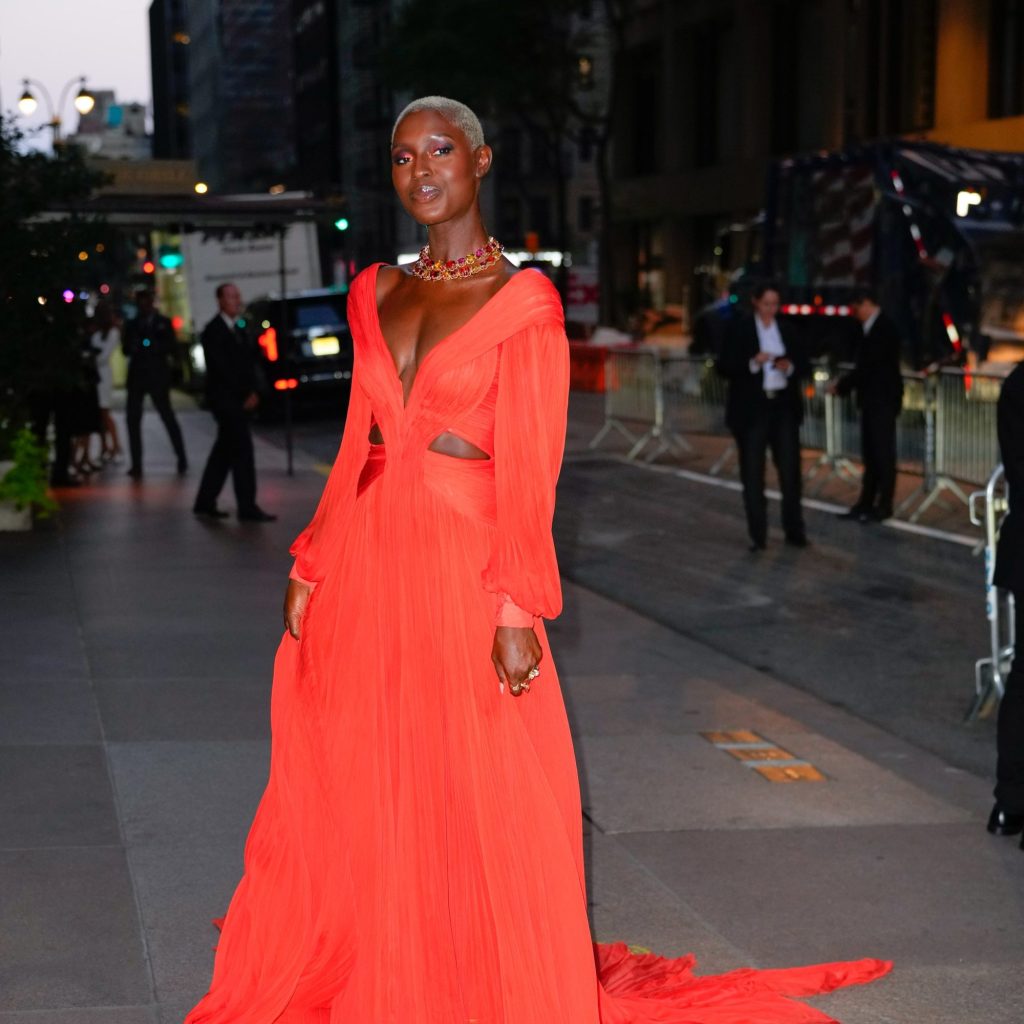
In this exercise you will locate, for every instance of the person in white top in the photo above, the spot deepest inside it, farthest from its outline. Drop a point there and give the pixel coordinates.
(764, 409)
(105, 339)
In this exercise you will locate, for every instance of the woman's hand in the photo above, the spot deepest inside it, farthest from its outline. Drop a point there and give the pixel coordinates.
(295, 600)
(515, 653)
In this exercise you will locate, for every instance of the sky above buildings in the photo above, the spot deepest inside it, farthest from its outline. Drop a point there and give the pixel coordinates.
(55, 40)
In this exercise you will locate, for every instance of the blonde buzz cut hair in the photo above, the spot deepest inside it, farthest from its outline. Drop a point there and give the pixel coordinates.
(454, 112)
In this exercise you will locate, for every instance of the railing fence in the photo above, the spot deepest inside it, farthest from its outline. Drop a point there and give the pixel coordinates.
(945, 432)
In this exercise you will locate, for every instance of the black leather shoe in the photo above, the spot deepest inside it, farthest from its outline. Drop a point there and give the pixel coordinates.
(879, 515)
(856, 513)
(135, 473)
(797, 540)
(1003, 823)
(256, 515)
(210, 513)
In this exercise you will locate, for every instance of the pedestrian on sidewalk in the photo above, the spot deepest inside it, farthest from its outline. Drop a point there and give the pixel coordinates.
(877, 380)
(149, 345)
(84, 407)
(1007, 818)
(765, 365)
(232, 395)
(106, 338)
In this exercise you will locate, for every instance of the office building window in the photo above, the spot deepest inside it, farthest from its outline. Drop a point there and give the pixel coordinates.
(540, 218)
(642, 111)
(1006, 59)
(705, 84)
(585, 213)
(585, 146)
(786, 91)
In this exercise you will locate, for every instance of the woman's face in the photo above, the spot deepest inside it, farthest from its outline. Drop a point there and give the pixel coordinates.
(435, 171)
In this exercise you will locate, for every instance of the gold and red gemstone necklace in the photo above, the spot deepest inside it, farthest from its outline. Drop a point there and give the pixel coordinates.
(427, 269)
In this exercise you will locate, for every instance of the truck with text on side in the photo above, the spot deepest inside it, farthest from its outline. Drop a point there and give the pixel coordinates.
(937, 231)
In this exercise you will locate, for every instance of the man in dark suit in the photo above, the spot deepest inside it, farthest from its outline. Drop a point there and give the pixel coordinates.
(232, 394)
(149, 344)
(764, 367)
(879, 386)
(1007, 818)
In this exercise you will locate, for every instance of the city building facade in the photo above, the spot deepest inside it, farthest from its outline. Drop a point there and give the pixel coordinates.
(169, 43)
(112, 130)
(240, 83)
(712, 92)
(316, 96)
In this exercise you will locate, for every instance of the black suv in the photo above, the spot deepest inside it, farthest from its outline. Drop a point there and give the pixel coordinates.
(314, 355)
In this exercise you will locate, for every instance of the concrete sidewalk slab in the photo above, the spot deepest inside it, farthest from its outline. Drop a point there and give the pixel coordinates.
(943, 894)
(56, 795)
(207, 791)
(70, 931)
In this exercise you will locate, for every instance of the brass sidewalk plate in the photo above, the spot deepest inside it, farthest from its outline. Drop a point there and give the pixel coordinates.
(771, 762)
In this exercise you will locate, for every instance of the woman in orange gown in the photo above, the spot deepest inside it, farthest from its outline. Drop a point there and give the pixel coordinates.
(417, 856)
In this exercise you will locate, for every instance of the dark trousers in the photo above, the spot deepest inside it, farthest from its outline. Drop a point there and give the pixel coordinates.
(231, 453)
(1009, 790)
(777, 427)
(161, 396)
(878, 448)
(58, 405)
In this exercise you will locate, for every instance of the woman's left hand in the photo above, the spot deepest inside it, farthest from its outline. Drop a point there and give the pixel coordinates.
(515, 653)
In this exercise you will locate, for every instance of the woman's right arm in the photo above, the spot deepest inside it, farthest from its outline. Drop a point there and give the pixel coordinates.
(312, 548)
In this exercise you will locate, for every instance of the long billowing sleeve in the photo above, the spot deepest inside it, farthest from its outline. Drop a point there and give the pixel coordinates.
(313, 546)
(529, 441)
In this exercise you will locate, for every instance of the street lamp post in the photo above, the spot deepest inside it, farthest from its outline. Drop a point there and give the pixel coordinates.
(27, 103)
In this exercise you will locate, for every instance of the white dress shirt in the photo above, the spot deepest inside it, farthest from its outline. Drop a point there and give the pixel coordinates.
(870, 322)
(769, 339)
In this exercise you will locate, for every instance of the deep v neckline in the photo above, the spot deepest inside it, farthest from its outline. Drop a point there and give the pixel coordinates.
(396, 375)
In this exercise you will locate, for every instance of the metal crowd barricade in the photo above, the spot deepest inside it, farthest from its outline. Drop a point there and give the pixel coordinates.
(830, 425)
(960, 442)
(635, 403)
(990, 672)
(946, 431)
(695, 400)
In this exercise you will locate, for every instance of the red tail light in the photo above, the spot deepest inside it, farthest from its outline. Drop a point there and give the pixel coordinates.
(286, 384)
(268, 342)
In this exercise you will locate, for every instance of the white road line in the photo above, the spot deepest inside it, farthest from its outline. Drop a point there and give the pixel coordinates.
(963, 539)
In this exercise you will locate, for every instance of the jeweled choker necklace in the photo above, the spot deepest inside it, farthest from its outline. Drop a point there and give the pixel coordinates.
(472, 263)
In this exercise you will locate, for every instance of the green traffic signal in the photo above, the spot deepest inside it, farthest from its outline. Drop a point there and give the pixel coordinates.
(341, 223)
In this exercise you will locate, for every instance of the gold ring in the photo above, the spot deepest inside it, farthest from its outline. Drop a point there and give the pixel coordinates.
(533, 673)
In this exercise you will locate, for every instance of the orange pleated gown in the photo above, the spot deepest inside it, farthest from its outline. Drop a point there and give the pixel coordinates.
(417, 856)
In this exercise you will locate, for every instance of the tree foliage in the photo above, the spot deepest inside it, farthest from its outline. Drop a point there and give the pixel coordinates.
(39, 260)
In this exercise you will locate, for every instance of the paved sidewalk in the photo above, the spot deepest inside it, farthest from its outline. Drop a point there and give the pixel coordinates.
(133, 748)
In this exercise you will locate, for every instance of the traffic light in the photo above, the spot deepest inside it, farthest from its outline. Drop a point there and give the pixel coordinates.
(341, 224)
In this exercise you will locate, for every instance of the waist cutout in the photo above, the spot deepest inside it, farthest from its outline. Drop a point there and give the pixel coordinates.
(466, 484)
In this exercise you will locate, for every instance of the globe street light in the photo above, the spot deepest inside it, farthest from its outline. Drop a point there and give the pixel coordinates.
(27, 102)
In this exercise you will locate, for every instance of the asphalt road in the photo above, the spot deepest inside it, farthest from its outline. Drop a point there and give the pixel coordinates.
(880, 622)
